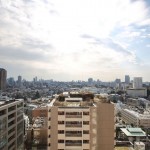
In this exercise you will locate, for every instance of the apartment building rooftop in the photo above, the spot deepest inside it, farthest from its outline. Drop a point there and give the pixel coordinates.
(145, 115)
(124, 148)
(40, 122)
(6, 102)
(79, 99)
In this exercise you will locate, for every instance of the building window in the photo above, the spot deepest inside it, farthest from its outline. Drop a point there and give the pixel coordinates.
(60, 131)
(60, 141)
(85, 131)
(19, 105)
(73, 133)
(11, 108)
(86, 122)
(13, 143)
(73, 143)
(85, 141)
(85, 113)
(61, 112)
(2, 112)
(73, 123)
(61, 122)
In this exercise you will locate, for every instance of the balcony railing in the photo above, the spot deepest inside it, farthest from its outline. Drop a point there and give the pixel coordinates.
(73, 135)
(3, 142)
(73, 125)
(73, 144)
(73, 116)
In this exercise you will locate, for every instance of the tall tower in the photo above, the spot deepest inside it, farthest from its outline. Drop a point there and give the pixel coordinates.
(127, 79)
(19, 81)
(3, 76)
(137, 83)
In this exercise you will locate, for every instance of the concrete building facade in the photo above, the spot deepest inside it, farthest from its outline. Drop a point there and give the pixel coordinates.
(80, 123)
(3, 76)
(127, 79)
(132, 117)
(37, 131)
(137, 92)
(11, 125)
(137, 83)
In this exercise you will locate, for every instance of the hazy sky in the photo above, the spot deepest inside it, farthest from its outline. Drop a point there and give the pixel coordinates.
(75, 39)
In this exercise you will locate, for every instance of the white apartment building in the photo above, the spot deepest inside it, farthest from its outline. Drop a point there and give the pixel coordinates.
(132, 117)
(137, 83)
(79, 124)
(11, 125)
(137, 92)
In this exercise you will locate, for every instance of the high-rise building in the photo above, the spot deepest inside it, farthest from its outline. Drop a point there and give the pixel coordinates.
(11, 81)
(90, 80)
(80, 122)
(11, 125)
(137, 82)
(3, 76)
(118, 81)
(127, 79)
(19, 81)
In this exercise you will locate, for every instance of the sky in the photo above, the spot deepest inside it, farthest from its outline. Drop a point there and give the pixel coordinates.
(75, 39)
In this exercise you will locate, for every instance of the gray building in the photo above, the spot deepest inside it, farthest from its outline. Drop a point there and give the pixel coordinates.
(127, 79)
(11, 125)
(3, 76)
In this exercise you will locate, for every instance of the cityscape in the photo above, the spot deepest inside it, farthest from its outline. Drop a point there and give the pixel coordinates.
(74, 75)
(76, 115)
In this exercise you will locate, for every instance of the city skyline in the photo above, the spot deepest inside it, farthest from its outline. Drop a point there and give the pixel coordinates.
(75, 40)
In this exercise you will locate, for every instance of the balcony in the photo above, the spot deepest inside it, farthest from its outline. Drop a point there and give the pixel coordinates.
(73, 144)
(12, 108)
(74, 125)
(3, 112)
(3, 142)
(11, 123)
(73, 135)
(73, 116)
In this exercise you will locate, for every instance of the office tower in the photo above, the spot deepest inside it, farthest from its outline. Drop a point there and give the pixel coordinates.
(127, 79)
(80, 121)
(3, 76)
(35, 79)
(90, 80)
(19, 81)
(137, 82)
(118, 81)
(11, 125)
(11, 81)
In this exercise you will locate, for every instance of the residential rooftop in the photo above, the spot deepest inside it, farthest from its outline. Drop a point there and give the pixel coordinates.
(39, 122)
(79, 99)
(6, 102)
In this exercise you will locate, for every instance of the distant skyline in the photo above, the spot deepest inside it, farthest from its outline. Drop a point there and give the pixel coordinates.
(74, 40)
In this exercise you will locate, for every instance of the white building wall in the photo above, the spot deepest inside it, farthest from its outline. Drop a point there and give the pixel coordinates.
(137, 92)
(137, 82)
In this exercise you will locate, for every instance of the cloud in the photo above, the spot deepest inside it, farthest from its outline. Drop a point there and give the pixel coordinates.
(49, 35)
(20, 54)
(109, 43)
